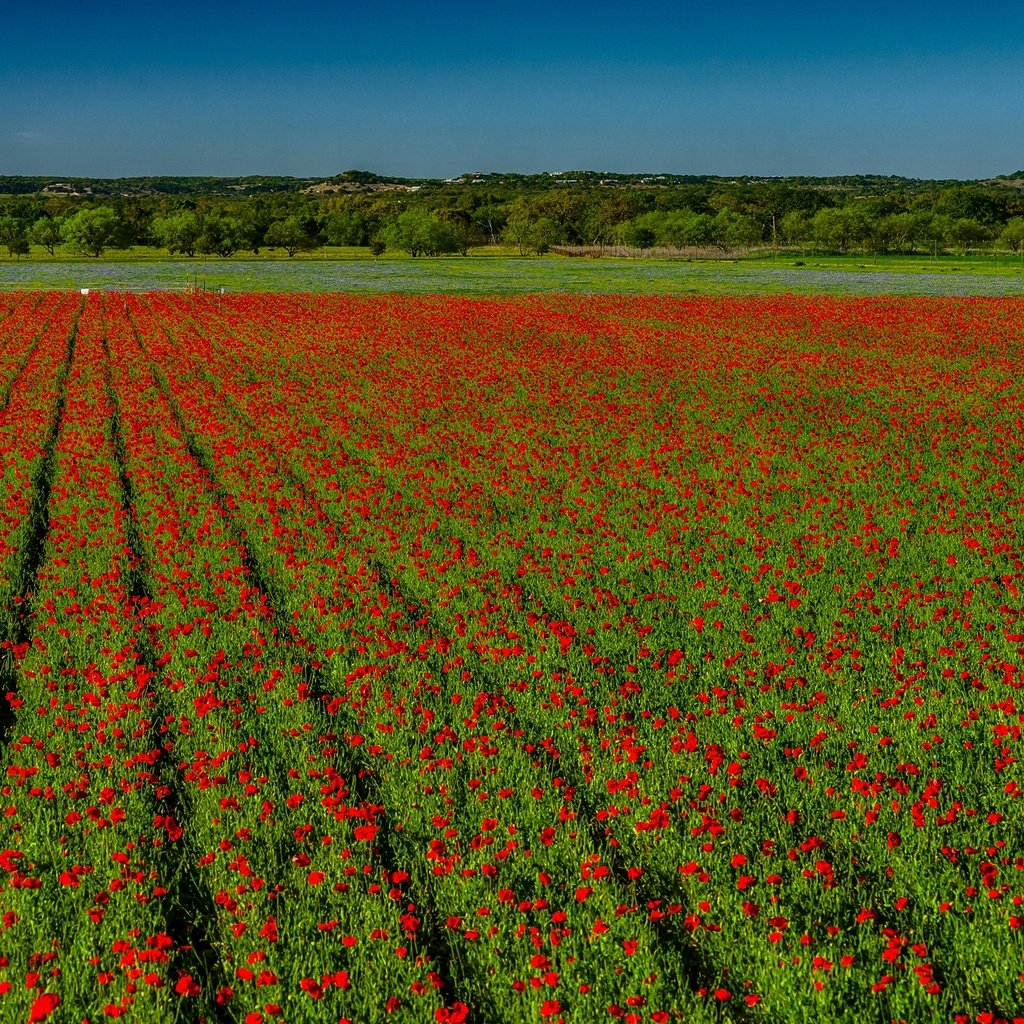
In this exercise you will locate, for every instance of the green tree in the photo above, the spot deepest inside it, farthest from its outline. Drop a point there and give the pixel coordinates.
(14, 236)
(840, 228)
(528, 234)
(969, 202)
(967, 233)
(605, 213)
(489, 220)
(765, 203)
(46, 232)
(178, 232)
(254, 221)
(290, 234)
(517, 232)
(133, 223)
(1012, 236)
(731, 230)
(684, 229)
(92, 230)
(934, 230)
(456, 211)
(642, 233)
(566, 211)
(795, 228)
(221, 236)
(900, 232)
(420, 233)
(349, 226)
(641, 237)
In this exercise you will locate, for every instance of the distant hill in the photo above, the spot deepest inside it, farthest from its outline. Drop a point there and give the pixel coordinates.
(149, 186)
(355, 181)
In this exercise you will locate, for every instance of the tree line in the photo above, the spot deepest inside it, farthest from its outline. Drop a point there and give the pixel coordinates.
(531, 217)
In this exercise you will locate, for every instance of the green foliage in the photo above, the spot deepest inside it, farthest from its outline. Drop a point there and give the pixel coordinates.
(795, 228)
(1012, 236)
(93, 230)
(731, 230)
(178, 233)
(221, 236)
(640, 236)
(350, 226)
(966, 233)
(838, 229)
(290, 234)
(13, 236)
(419, 233)
(46, 232)
(532, 213)
(683, 228)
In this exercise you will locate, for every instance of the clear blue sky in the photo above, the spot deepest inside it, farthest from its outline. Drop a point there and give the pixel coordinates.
(112, 88)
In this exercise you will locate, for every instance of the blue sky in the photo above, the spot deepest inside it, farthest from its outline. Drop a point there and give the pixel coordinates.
(115, 88)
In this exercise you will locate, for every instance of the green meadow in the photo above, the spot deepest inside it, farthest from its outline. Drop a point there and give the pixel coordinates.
(496, 271)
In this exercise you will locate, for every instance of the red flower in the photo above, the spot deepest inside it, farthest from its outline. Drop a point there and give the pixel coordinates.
(42, 1006)
(457, 1013)
(311, 988)
(186, 986)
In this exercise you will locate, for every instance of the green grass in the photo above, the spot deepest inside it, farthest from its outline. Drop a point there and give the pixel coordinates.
(920, 263)
(494, 270)
(152, 254)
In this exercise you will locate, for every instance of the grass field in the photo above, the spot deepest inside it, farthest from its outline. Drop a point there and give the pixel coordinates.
(351, 271)
(551, 659)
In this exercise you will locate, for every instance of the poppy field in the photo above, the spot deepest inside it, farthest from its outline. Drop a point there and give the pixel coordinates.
(564, 658)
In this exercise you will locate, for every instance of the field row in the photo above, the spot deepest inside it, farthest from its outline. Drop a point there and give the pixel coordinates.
(540, 658)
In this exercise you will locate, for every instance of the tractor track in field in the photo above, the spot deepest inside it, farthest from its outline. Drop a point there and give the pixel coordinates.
(313, 676)
(362, 771)
(287, 467)
(185, 927)
(30, 558)
(8, 389)
(670, 938)
(14, 633)
(39, 514)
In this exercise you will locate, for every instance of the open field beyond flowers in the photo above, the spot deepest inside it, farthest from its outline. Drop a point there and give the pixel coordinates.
(562, 658)
(493, 275)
